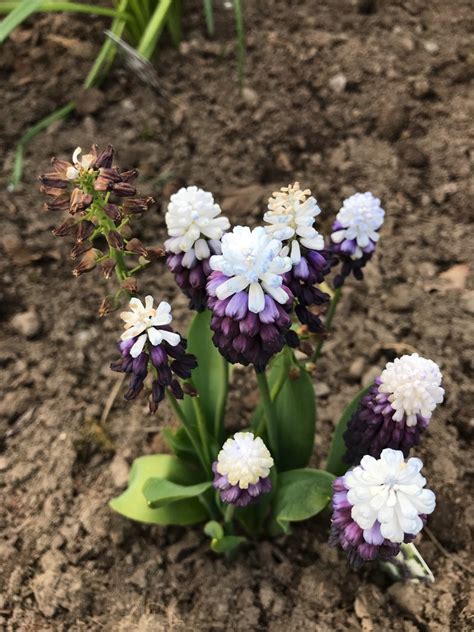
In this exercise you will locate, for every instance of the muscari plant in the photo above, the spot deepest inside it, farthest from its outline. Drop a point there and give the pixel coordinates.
(262, 298)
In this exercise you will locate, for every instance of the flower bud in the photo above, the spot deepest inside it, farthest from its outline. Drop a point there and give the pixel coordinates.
(66, 228)
(155, 253)
(80, 248)
(105, 158)
(108, 305)
(84, 230)
(129, 176)
(79, 201)
(124, 189)
(54, 179)
(130, 284)
(59, 203)
(108, 267)
(133, 206)
(113, 211)
(115, 240)
(87, 263)
(135, 245)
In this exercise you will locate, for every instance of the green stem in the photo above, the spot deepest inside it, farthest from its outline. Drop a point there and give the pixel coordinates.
(272, 428)
(153, 31)
(70, 7)
(229, 516)
(278, 385)
(329, 317)
(179, 413)
(201, 424)
(219, 420)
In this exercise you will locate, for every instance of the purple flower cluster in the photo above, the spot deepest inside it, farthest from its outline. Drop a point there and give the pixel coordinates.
(166, 362)
(396, 410)
(243, 336)
(234, 495)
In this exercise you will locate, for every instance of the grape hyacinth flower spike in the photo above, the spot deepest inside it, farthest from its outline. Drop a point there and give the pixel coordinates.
(249, 301)
(242, 470)
(396, 409)
(290, 218)
(354, 234)
(195, 227)
(379, 505)
(149, 344)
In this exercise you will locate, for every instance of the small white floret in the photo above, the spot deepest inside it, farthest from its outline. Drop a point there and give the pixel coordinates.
(361, 216)
(192, 218)
(80, 164)
(291, 213)
(413, 385)
(144, 321)
(390, 491)
(244, 459)
(252, 259)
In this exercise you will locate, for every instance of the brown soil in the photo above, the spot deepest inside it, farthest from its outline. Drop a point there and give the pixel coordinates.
(342, 96)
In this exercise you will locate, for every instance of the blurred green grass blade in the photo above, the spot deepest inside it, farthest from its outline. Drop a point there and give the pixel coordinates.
(47, 7)
(173, 23)
(240, 29)
(31, 133)
(153, 31)
(17, 16)
(209, 14)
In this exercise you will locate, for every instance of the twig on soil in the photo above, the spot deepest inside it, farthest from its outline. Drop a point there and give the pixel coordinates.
(444, 552)
(111, 398)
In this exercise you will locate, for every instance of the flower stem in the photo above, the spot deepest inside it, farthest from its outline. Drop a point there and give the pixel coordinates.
(329, 317)
(179, 413)
(201, 423)
(228, 517)
(272, 428)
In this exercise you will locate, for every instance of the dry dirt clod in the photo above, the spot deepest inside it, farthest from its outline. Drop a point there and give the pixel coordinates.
(27, 324)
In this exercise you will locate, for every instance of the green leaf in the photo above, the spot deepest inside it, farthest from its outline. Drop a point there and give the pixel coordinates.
(160, 492)
(227, 544)
(277, 376)
(214, 530)
(295, 410)
(209, 13)
(301, 494)
(335, 463)
(210, 377)
(180, 443)
(17, 16)
(132, 503)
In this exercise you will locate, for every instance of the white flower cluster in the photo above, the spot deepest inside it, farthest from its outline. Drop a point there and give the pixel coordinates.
(192, 219)
(144, 321)
(291, 213)
(252, 259)
(360, 217)
(414, 387)
(244, 459)
(390, 491)
(79, 164)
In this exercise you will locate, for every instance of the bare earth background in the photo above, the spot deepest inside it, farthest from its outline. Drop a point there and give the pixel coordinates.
(340, 95)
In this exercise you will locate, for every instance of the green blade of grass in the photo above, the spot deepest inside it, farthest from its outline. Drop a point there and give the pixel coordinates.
(153, 31)
(48, 7)
(240, 29)
(173, 23)
(19, 14)
(209, 14)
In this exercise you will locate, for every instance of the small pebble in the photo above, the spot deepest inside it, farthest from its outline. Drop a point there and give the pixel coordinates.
(338, 82)
(27, 324)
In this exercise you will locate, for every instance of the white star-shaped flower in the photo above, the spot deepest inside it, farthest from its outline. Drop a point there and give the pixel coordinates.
(291, 214)
(251, 258)
(244, 459)
(79, 164)
(144, 321)
(360, 217)
(193, 218)
(414, 387)
(390, 491)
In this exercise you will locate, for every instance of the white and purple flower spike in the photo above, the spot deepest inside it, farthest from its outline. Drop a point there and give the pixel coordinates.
(396, 410)
(195, 227)
(242, 469)
(291, 215)
(248, 297)
(378, 505)
(354, 233)
(148, 338)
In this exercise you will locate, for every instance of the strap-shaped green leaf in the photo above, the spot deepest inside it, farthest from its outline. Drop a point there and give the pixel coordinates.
(227, 543)
(17, 16)
(132, 503)
(335, 463)
(160, 492)
(295, 409)
(301, 494)
(210, 377)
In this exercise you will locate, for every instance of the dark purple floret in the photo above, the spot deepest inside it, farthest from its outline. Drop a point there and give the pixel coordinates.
(234, 495)
(163, 361)
(242, 336)
(372, 428)
(192, 279)
(342, 253)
